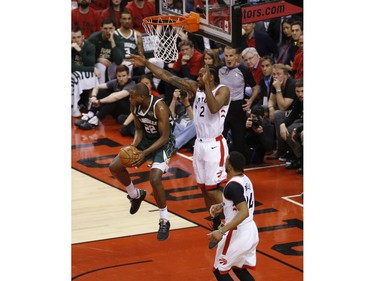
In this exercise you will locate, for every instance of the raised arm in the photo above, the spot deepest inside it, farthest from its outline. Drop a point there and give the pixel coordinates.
(214, 103)
(187, 85)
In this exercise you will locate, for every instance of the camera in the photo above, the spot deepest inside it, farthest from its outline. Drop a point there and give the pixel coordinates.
(256, 123)
(183, 94)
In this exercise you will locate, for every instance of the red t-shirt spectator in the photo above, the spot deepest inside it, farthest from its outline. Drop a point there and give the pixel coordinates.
(194, 64)
(138, 14)
(89, 23)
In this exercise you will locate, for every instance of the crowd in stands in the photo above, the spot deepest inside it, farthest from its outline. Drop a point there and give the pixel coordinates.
(264, 75)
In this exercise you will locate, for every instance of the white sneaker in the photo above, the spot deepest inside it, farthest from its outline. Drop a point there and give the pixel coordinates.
(87, 116)
(94, 121)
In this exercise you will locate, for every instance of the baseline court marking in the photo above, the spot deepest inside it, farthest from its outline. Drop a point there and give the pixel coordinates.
(287, 198)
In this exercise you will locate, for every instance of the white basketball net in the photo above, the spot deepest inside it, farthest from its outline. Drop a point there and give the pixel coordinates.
(163, 38)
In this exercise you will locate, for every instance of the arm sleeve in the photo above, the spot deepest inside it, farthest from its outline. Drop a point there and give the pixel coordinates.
(234, 192)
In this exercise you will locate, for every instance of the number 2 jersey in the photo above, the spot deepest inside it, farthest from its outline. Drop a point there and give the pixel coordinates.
(208, 125)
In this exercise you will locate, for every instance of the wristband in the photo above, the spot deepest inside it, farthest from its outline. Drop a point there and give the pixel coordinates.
(278, 91)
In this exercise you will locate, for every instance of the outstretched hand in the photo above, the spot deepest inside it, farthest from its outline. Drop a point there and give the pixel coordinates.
(137, 60)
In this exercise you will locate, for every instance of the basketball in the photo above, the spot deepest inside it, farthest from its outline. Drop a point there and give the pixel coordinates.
(127, 156)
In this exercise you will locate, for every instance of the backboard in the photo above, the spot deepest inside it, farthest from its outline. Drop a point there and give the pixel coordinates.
(220, 20)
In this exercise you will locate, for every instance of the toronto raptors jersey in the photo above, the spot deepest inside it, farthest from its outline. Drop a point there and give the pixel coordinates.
(230, 210)
(208, 125)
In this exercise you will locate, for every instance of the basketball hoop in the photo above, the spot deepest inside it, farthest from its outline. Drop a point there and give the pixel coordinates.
(163, 31)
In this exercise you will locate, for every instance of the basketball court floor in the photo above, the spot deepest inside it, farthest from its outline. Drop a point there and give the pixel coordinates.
(110, 244)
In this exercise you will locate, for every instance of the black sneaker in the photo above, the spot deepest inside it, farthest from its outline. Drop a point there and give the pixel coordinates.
(294, 165)
(136, 202)
(163, 232)
(284, 156)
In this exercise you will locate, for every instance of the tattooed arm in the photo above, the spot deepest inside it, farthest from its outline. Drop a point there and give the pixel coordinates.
(185, 84)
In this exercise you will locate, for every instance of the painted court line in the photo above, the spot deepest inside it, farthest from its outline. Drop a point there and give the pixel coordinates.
(287, 198)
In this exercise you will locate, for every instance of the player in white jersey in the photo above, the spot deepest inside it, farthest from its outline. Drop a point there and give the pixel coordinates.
(238, 238)
(210, 109)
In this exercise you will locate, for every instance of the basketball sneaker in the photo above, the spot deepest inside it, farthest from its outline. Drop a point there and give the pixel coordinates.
(163, 232)
(136, 202)
(90, 124)
(85, 117)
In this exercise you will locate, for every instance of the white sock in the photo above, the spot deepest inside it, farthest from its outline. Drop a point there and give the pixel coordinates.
(132, 191)
(164, 214)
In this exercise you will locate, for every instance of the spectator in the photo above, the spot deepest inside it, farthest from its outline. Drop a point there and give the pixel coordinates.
(259, 135)
(132, 41)
(236, 76)
(251, 59)
(211, 57)
(279, 104)
(109, 52)
(259, 40)
(147, 79)
(292, 127)
(116, 7)
(275, 28)
(187, 65)
(296, 29)
(139, 10)
(100, 5)
(265, 83)
(84, 74)
(297, 65)
(182, 113)
(113, 99)
(189, 61)
(86, 18)
(286, 40)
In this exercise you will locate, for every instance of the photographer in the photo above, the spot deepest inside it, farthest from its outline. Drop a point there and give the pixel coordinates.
(182, 112)
(259, 135)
